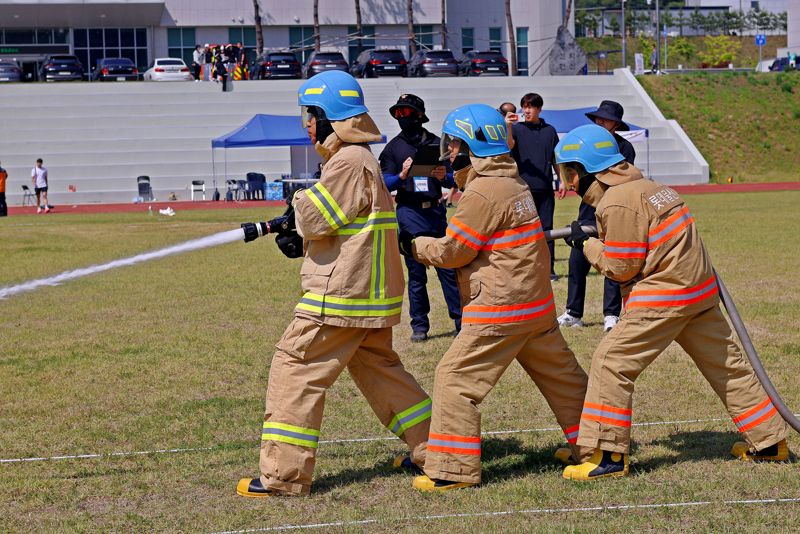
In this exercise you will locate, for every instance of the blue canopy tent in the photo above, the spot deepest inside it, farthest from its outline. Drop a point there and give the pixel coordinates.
(564, 120)
(263, 131)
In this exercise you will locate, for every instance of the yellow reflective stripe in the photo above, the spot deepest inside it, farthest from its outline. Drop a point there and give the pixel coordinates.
(570, 147)
(341, 300)
(327, 206)
(348, 92)
(314, 90)
(361, 225)
(326, 305)
(295, 435)
(325, 193)
(603, 144)
(410, 417)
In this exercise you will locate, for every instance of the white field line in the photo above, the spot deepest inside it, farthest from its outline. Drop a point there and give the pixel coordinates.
(332, 441)
(531, 511)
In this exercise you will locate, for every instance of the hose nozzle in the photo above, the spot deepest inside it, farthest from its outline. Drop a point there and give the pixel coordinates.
(253, 231)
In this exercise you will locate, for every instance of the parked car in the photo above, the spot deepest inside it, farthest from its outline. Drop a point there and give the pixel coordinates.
(321, 61)
(168, 69)
(118, 69)
(10, 71)
(379, 62)
(478, 63)
(433, 63)
(61, 68)
(280, 65)
(780, 64)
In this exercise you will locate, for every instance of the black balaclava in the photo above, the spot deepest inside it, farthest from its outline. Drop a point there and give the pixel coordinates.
(585, 183)
(324, 128)
(411, 127)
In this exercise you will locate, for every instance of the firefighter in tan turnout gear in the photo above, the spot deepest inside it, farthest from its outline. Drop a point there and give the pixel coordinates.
(649, 243)
(352, 285)
(496, 244)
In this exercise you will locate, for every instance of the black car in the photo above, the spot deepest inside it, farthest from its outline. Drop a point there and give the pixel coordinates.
(118, 69)
(433, 63)
(280, 65)
(61, 68)
(10, 71)
(379, 62)
(780, 64)
(476, 63)
(321, 61)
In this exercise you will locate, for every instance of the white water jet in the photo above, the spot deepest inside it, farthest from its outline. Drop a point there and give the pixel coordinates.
(195, 244)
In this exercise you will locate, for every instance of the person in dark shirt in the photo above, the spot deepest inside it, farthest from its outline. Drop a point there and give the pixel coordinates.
(419, 208)
(609, 116)
(532, 143)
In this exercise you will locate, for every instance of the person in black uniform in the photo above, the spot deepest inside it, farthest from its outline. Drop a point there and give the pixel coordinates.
(419, 208)
(533, 143)
(609, 116)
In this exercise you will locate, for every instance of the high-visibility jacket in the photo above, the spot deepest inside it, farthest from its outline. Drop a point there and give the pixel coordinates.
(3, 178)
(351, 272)
(648, 241)
(496, 244)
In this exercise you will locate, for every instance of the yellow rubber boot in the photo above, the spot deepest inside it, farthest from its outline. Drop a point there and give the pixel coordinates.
(778, 452)
(602, 464)
(252, 487)
(423, 483)
(564, 455)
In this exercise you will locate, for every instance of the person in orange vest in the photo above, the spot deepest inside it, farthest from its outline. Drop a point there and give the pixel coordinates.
(495, 242)
(3, 205)
(648, 242)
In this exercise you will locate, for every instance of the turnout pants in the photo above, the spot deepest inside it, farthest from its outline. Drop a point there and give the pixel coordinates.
(636, 341)
(308, 360)
(468, 372)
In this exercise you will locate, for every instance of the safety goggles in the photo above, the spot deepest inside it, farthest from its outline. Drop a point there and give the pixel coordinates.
(403, 112)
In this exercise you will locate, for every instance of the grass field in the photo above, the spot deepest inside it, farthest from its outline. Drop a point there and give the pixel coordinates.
(175, 354)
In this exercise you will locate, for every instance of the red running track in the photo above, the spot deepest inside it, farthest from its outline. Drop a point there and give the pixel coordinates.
(208, 204)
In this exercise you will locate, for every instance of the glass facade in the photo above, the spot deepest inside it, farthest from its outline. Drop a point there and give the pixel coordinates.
(246, 36)
(352, 44)
(522, 51)
(181, 43)
(495, 39)
(301, 38)
(93, 44)
(467, 39)
(424, 36)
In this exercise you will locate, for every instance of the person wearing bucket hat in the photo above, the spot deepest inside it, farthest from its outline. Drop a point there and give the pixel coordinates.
(352, 283)
(609, 116)
(647, 240)
(495, 241)
(419, 209)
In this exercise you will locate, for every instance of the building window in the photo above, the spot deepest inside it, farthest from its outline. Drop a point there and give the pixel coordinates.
(92, 44)
(495, 39)
(467, 39)
(368, 41)
(246, 36)
(424, 36)
(522, 51)
(301, 40)
(180, 43)
(39, 36)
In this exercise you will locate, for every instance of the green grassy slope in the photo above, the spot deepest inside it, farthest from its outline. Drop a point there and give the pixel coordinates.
(746, 125)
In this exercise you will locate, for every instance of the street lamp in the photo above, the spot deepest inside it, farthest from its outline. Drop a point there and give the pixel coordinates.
(624, 31)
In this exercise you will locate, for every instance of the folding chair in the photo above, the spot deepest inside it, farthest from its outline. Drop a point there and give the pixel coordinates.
(145, 190)
(198, 186)
(27, 196)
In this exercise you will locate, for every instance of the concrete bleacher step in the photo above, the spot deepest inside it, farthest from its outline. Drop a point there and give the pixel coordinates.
(99, 137)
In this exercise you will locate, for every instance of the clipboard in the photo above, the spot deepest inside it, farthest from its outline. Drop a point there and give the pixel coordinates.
(425, 160)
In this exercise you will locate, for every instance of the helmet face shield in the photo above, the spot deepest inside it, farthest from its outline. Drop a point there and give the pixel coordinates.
(305, 115)
(449, 141)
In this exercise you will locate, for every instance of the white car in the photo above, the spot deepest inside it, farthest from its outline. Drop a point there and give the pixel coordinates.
(168, 69)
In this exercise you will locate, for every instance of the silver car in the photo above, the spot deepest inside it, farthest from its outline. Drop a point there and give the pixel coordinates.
(10, 71)
(168, 69)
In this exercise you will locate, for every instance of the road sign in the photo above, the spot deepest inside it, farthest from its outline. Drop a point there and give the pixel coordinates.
(761, 39)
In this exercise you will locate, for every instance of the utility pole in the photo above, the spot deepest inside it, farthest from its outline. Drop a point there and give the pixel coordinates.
(658, 39)
(624, 31)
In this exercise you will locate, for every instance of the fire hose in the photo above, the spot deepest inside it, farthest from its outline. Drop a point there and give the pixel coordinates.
(738, 325)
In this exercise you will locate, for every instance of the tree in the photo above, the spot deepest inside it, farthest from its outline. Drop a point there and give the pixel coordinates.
(720, 50)
(667, 20)
(316, 26)
(683, 48)
(697, 21)
(444, 24)
(412, 40)
(359, 28)
(259, 29)
(613, 25)
(512, 39)
(680, 19)
(783, 22)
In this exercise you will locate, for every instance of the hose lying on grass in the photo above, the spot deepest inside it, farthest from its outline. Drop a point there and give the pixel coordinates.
(738, 325)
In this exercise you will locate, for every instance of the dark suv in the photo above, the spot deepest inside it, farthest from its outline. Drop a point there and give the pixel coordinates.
(61, 68)
(433, 63)
(476, 63)
(118, 69)
(379, 62)
(280, 65)
(322, 61)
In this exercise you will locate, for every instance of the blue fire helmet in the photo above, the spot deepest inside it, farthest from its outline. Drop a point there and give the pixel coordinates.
(480, 126)
(590, 145)
(335, 92)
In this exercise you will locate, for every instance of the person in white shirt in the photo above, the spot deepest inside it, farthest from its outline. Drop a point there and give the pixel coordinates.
(39, 179)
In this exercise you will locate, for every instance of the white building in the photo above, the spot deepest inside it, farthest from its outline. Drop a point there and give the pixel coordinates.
(772, 6)
(145, 29)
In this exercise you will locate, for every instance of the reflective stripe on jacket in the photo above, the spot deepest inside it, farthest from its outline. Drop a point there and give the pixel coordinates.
(649, 243)
(496, 244)
(351, 272)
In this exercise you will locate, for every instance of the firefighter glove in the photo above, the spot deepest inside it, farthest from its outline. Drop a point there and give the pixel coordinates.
(291, 244)
(578, 237)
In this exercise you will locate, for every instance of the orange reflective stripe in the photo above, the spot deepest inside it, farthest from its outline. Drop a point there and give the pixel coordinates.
(515, 237)
(466, 235)
(655, 298)
(625, 249)
(454, 444)
(609, 415)
(755, 416)
(511, 313)
(673, 225)
(571, 433)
